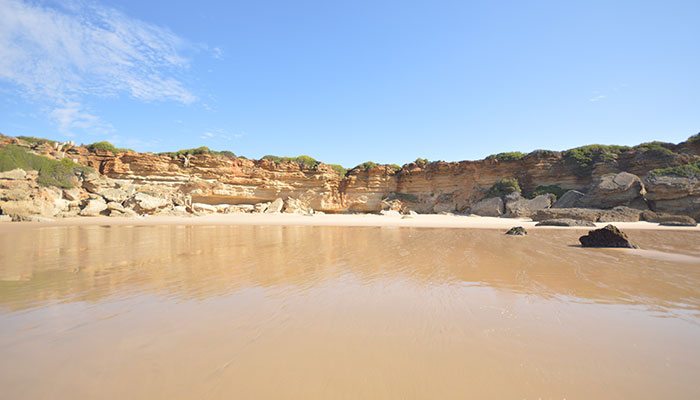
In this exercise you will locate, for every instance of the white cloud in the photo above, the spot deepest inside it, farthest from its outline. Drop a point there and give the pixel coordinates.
(71, 115)
(63, 54)
(597, 98)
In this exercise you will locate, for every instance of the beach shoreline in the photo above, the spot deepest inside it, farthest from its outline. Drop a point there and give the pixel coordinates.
(343, 220)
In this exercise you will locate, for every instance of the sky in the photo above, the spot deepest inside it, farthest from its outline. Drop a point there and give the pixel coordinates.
(348, 82)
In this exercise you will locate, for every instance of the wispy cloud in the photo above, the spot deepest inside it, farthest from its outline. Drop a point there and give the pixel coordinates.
(63, 54)
(597, 98)
(220, 134)
(72, 115)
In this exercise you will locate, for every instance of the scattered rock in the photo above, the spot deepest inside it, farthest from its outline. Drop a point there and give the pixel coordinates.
(570, 199)
(5, 218)
(609, 236)
(15, 174)
(261, 207)
(491, 207)
(517, 231)
(565, 222)
(275, 206)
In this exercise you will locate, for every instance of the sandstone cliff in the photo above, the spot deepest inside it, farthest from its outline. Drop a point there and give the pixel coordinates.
(222, 182)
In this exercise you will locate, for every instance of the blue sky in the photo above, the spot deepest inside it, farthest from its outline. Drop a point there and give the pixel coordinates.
(347, 82)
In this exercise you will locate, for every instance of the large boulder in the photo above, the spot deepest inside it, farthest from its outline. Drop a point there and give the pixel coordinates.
(275, 206)
(517, 231)
(72, 194)
(521, 207)
(112, 194)
(15, 174)
(609, 236)
(613, 190)
(23, 210)
(147, 204)
(671, 187)
(491, 207)
(570, 199)
(93, 208)
(689, 206)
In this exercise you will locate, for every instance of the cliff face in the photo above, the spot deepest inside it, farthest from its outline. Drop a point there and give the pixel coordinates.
(433, 187)
(205, 180)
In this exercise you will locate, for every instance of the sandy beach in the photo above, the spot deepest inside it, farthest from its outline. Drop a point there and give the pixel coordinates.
(368, 220)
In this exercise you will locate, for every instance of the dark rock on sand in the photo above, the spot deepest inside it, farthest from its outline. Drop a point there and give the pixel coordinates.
(517, 231)
(609, 236)
(565, 222)
(679, 223)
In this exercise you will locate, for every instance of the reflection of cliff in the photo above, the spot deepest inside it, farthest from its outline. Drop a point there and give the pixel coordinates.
(198, 262)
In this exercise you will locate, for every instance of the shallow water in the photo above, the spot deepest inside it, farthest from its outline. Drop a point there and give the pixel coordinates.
(148, 312)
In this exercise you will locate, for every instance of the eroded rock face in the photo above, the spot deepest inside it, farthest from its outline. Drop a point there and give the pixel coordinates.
(674, 195)
(570, 199)
(517, 206)
(613, 190)
(491, 207)
(609, 236)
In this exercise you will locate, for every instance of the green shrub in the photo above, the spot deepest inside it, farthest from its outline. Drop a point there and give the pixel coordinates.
(553, 189)
(421, 161)
(694, 138)
(583, 158)
(504, 187)
(107, 146)
(304, 161)
(189, 152)
(509, 156)
(657, 149)
(339, 169)
(690, 170)
(366, 166)
(395, 167)
(51, 172)
(543, 153)
(33, 140)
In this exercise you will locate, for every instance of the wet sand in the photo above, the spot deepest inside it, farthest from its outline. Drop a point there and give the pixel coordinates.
(212, 310)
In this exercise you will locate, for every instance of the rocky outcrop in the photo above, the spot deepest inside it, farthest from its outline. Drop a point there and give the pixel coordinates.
(564, 222)
(617, 214)
(570, 199)
(162, 184)
(491, 207)
(674, 195)
(609, 236)
(517, 206)
(613, 190)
